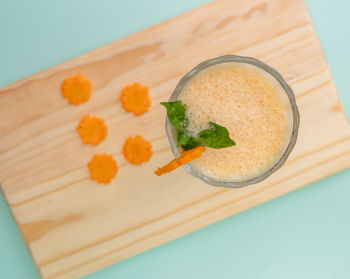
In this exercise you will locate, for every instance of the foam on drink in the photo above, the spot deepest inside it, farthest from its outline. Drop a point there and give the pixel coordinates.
(254, 108)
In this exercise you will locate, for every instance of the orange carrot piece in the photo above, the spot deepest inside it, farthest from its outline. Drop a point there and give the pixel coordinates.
(103, 168)
(92, 130)
(76, 89)
(135, 98)
(137, 150)
(185, 157)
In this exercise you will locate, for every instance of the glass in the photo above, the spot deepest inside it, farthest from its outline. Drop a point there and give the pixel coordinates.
(171, 133)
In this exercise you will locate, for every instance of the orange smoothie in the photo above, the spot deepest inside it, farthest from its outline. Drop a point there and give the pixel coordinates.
(254, 108)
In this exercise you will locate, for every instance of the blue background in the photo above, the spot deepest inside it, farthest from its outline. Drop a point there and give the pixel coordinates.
(305, 234)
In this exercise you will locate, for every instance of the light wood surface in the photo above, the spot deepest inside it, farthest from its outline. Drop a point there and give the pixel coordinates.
(74, 226)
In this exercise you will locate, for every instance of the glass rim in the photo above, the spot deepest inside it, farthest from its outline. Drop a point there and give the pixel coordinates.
(288, 90)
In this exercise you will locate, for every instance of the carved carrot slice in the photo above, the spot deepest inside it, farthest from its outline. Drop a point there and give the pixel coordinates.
(135, 98)
(92, 130)
(185, 157)
(76, 89)
(137, 150)
(103, 168)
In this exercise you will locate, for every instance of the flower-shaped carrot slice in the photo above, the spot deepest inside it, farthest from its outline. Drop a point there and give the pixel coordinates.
(92, 130)
(137, 150)
(103, 168)
(135, 98)
(185, 157)
(76, 89)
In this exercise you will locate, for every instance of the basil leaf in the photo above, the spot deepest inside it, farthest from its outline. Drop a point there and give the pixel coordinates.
(216, 136)
(176, 114)
(187, 142)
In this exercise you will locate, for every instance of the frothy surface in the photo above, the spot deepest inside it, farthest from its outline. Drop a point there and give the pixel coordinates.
(254, 108)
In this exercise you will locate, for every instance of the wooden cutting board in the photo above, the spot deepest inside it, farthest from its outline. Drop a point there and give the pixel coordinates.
(74, 226)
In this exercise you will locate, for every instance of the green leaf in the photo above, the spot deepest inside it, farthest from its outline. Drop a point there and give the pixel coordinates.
(176, 114)
(187, 142)
(216, 136)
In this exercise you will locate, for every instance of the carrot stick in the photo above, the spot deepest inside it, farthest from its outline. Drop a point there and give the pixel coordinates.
(185, 157)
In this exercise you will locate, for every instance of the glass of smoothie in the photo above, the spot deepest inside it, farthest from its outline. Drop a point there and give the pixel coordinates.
(256, 106)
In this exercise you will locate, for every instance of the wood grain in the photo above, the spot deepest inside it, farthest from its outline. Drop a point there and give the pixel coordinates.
(74, 226)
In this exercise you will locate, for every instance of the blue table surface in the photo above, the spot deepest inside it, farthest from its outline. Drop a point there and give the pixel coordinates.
(304, 234)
